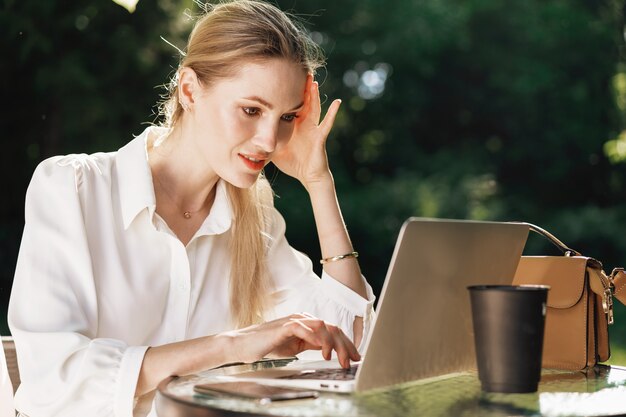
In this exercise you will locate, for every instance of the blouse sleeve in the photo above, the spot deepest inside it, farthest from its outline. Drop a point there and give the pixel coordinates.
(65, 368)
(298, 289)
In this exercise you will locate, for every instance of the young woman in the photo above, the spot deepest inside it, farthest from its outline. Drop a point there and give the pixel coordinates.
(167, 257)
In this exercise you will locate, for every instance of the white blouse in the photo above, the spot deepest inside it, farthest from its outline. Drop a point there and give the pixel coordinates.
(100, 278)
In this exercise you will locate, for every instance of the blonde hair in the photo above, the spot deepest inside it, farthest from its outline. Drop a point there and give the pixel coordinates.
(229, 35)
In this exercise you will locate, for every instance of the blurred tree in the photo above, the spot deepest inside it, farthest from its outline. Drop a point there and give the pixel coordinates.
(473, 109)
(77, 77)
(466, 109)
(127, 4)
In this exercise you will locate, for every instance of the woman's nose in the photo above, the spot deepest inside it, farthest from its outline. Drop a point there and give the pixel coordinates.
(266, 137)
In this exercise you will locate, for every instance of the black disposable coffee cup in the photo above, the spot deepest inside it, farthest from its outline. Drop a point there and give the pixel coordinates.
(508, 323)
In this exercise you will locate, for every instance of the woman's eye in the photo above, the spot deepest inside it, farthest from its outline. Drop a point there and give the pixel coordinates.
(289, 117)
(251, 111)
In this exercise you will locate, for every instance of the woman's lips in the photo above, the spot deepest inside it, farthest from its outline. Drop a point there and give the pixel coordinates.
(255, 164)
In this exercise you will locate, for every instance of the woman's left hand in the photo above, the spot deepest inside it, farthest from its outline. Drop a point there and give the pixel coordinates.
(304, 156)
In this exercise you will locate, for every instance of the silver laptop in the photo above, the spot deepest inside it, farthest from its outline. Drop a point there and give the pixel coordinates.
(423, 327)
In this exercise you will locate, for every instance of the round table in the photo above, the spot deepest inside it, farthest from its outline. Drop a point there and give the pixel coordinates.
(600, 391)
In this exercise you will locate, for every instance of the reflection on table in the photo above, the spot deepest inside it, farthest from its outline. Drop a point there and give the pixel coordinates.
(598, 391)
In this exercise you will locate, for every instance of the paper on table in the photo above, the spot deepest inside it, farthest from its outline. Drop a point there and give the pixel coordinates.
(599, 403)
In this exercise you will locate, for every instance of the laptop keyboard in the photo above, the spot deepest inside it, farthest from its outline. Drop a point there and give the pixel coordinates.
(335, 374)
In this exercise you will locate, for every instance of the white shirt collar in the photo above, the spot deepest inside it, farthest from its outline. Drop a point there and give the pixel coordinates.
(220, 217)
(136, 188)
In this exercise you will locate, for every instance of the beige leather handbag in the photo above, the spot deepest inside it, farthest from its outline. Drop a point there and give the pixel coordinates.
(580, 304)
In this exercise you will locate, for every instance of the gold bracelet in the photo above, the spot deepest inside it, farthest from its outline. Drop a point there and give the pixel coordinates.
(340, 257)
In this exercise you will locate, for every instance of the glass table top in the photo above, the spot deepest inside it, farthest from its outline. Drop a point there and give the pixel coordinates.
(600, 391)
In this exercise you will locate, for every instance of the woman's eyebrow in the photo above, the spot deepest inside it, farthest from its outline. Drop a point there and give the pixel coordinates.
(261, 101)
(268, 104)
(298, 106)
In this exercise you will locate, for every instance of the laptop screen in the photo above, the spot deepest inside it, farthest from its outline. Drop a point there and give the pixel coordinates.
(423, 326)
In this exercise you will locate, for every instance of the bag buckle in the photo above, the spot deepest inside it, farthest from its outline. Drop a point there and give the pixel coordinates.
(607, 297)
(607, 304)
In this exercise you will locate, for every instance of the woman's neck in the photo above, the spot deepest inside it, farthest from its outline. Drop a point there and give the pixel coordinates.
(184, 177)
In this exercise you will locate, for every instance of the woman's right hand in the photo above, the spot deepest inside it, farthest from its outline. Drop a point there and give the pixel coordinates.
(278, 338)
(289, 336)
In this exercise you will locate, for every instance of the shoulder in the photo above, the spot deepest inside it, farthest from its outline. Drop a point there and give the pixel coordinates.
(72, 171)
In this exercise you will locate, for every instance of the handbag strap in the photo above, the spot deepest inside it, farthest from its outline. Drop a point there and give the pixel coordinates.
(567, 251)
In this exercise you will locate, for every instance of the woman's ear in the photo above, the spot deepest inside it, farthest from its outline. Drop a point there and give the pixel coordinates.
(188, 85)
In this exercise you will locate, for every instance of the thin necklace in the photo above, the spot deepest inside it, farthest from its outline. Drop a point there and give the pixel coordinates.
(186, 213)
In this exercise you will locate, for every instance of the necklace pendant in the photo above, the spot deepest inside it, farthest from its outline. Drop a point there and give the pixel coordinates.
(187, 215)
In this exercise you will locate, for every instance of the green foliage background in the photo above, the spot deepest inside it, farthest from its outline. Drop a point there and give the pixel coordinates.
(490, 110)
